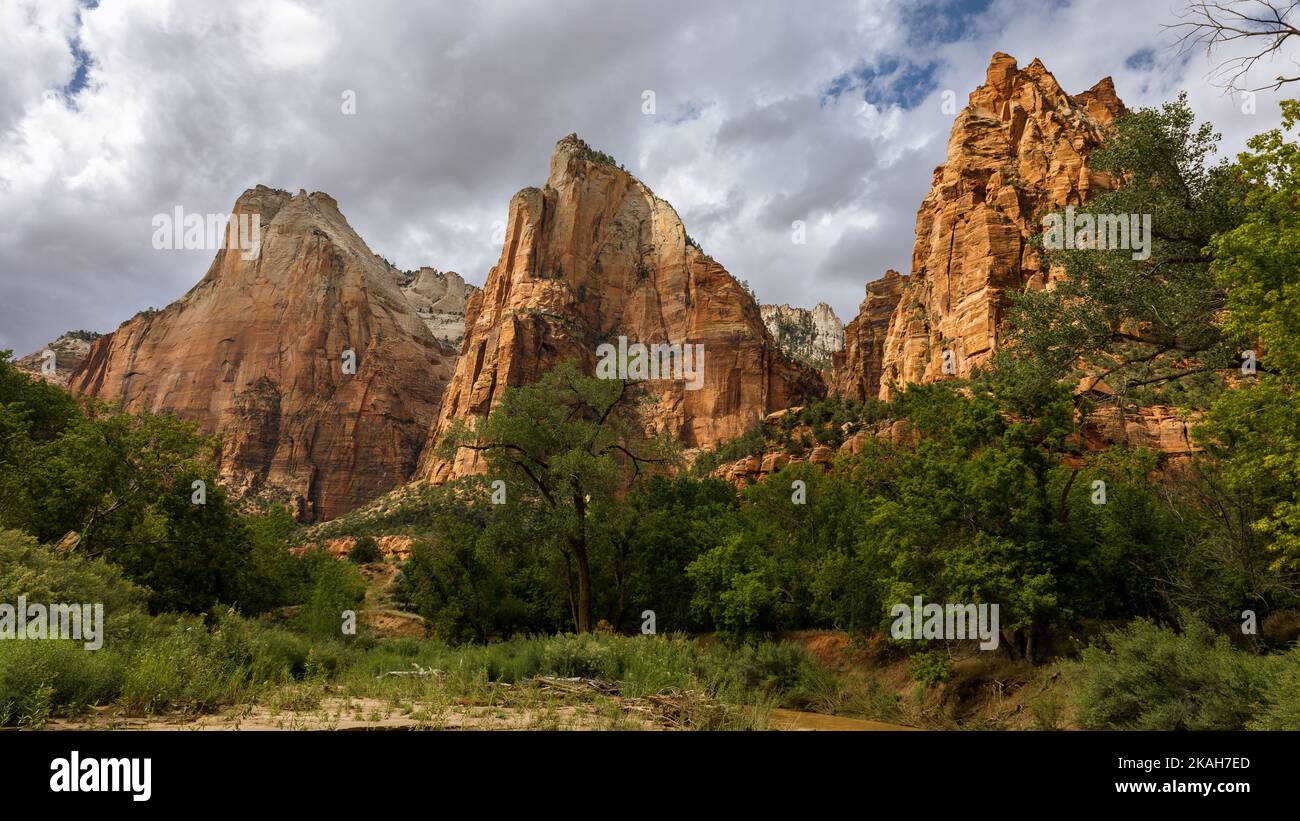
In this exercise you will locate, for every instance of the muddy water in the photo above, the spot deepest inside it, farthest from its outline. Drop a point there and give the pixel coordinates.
(783, 719)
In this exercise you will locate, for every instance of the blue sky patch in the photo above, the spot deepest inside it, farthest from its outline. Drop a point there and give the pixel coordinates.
(82, 57)
(1142, 60)
(892, 82)
(935, 22)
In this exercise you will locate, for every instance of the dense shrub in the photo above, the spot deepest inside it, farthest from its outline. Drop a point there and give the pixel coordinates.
(1148, 677)
(365, 550)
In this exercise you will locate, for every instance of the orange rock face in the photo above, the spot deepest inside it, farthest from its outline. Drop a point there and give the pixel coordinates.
(595, 255)
(1016, 152)
(1157, 428)
(856, 370)
(255, 353)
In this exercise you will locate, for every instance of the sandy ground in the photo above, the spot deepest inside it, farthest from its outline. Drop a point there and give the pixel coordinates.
(375, 714)
(364, 714)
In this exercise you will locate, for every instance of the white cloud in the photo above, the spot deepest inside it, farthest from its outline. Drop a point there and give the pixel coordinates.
(459, 105)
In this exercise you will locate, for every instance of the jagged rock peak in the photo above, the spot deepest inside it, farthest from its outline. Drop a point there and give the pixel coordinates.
(810, 336)
(594, 255)
(1018, 150)
(65, 355)
(440, 298)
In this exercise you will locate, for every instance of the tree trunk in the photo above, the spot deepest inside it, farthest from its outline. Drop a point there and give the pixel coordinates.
(568, 584)
(584, 588)
(579, 544)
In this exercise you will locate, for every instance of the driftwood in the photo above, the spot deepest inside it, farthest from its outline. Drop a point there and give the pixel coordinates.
(670, 707)
(418, 671)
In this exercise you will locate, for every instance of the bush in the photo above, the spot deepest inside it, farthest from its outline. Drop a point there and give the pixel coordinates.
(40, 679)
(365, 551)
(335, 587)
(28, 568)
(930, 668)
(782, 672)
(1281, 710)
(1148, 677)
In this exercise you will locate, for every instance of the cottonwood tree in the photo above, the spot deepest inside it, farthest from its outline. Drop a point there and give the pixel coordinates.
(575, 441)
(1256, 429)
(1139, 331)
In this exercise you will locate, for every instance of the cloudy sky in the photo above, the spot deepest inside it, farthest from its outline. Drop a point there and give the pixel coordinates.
(765, 113)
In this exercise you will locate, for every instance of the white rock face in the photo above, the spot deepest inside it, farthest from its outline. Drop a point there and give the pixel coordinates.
(69, 351)
(809, 336)
(439, 298)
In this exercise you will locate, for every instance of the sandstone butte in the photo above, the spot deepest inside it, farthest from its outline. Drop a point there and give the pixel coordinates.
(254, 353)
(1017, 151)
(594, 255)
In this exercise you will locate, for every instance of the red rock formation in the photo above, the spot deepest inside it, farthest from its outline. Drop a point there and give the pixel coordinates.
(593, 255)
(754, 468)
(857, 369)
(1017, 151)
(1157, 428)
(254, 353)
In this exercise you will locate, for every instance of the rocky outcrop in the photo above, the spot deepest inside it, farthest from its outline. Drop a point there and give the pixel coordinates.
(774, 457)
(259, 353)
(1157, 428)
(857, 369)
(390, 547)
(810, 337)
(440, 299)
(594, 255)
(64, 356)
(1017, 151)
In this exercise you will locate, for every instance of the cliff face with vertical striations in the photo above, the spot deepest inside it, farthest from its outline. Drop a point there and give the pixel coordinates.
(594, 255)
(1017, 151)
(255, 354)
(856, 370)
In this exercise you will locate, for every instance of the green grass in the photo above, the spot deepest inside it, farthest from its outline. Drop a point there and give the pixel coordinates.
(172, 666)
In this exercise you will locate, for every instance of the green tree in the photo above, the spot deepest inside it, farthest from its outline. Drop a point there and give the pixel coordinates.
(659, 529)
(576, 442)
(1256, 430)
(1138, 330)
(126, 485)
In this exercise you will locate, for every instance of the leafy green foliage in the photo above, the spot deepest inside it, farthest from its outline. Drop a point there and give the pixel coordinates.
(574, 442)
(335, 587)
(1256, 430)
(1147, 677)
(1139, 330)
(365, 550)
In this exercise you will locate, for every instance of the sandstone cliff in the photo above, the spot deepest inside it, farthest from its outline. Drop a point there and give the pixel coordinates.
(255, 353)
(1017, 151)
(857, 369)
(811, 337)
(594, 255)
